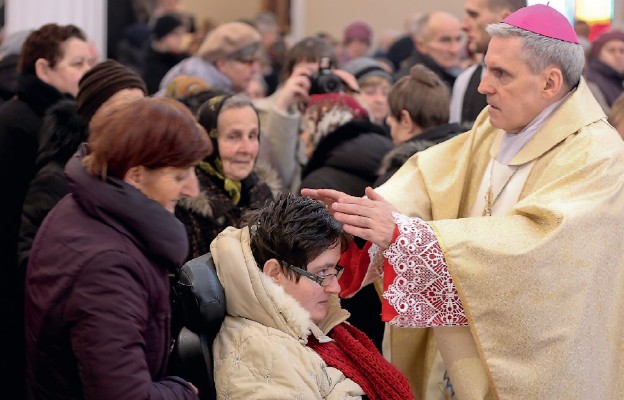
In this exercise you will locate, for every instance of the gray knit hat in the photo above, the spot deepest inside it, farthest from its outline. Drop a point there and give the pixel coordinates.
(365, 67)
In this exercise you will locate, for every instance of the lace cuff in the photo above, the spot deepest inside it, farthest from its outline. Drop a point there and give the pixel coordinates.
(418, 289)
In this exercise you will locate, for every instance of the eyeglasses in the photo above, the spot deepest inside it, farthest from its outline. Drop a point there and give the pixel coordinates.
(324, 279)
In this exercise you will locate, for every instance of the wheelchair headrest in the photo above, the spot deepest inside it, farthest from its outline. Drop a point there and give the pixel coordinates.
(202, 296)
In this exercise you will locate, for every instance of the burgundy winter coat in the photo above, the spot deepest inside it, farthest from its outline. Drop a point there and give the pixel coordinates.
(97, 295)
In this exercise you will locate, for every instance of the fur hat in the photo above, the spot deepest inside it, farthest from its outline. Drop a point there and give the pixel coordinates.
(101, 82)
(165, 25)
(326, 112)
(233, 39)
(358, 31)
(364, 67)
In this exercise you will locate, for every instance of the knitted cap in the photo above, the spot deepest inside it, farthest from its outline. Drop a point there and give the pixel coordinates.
(603, 39)
(364, 67)
(228, 39)
(543, 20)
(358, 31)
(101, 82)
(165, 25)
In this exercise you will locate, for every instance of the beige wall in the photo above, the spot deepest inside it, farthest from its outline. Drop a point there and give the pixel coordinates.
(220, 11)
(333, 15)
(326, 15)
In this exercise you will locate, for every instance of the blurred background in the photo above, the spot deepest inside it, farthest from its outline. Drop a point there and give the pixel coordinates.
(105, 21)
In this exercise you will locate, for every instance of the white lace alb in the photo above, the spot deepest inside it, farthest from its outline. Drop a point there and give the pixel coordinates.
(421, 291)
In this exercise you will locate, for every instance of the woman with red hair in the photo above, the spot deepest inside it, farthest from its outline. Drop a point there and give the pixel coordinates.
(97, 286)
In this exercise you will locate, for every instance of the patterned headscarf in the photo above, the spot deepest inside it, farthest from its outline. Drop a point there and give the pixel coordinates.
(185, 85)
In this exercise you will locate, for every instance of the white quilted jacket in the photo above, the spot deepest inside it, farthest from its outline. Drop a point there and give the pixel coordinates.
(260, 351)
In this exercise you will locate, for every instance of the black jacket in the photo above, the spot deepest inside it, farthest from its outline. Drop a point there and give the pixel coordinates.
(400, 50)
(347, 159)
(8, 77)
(400, 154)
(61, 133)
(156, 65)
(20, 120)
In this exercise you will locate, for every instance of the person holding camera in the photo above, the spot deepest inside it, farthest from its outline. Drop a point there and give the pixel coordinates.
(280, 114)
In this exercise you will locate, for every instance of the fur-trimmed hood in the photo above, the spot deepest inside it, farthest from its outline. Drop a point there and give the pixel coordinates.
(258, 298)
(395, 158)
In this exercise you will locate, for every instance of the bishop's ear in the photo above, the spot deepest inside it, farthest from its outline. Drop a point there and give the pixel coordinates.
(553, 82)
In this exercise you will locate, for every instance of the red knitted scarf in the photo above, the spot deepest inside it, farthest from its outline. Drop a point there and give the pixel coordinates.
(356, 356)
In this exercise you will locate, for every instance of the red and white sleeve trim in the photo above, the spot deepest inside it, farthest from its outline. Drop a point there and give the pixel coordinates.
(418, 289)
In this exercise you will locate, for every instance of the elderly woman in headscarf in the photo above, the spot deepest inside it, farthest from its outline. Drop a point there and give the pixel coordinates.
(227, 181)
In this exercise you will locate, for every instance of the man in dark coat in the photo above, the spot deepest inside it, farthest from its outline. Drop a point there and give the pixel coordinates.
(437, 46)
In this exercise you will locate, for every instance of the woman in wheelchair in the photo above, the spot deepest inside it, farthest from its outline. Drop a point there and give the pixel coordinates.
(285, 335)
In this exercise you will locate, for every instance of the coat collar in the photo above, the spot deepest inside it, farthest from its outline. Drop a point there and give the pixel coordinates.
(37, 94)
(156, 231)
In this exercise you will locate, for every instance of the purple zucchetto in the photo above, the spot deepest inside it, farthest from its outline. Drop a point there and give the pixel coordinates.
(543, 20)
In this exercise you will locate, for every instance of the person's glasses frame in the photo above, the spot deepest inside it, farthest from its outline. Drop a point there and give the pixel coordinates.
(321, 280)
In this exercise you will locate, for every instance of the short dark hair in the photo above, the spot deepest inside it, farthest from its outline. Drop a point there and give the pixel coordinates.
(423, 95)
(294, 229)
(147, 132)
(46, 42)
(309, 49)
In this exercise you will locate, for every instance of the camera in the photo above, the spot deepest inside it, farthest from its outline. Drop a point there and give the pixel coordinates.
(324, 81)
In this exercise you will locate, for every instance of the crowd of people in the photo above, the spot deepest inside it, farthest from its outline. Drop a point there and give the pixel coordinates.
(433, 217)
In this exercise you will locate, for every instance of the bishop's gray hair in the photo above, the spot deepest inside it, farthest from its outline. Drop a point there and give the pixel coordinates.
(540, 51)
